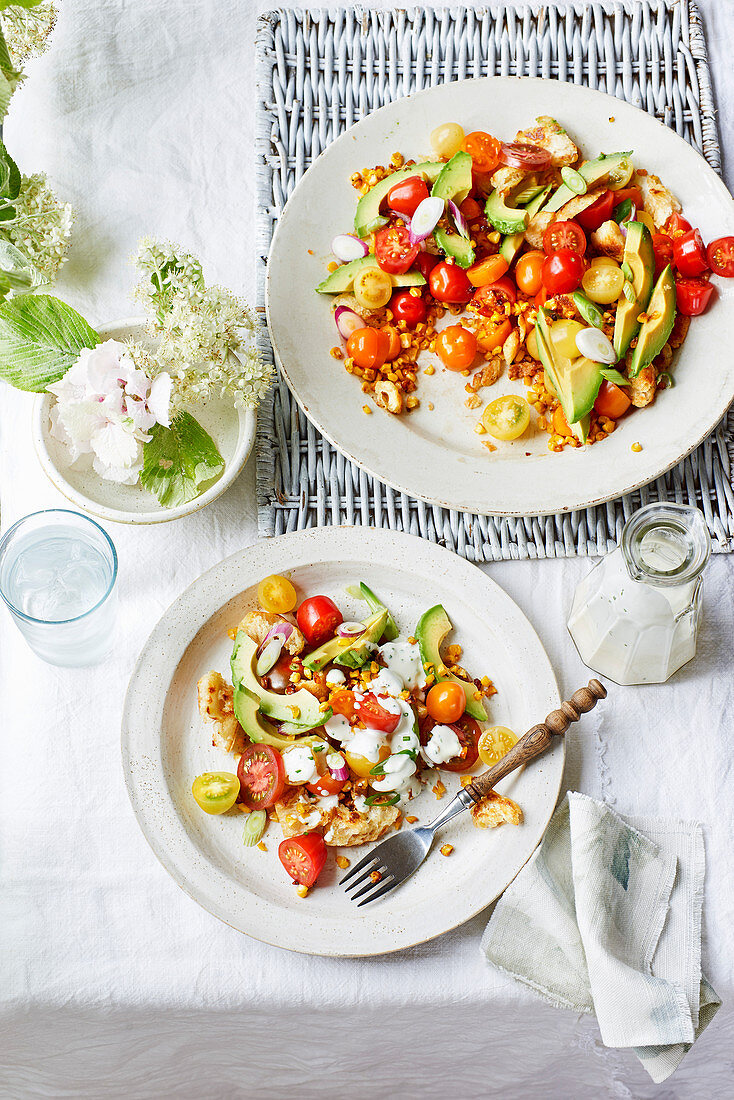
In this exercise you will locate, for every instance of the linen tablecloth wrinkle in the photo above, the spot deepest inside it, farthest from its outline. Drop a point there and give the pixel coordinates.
(114, 983)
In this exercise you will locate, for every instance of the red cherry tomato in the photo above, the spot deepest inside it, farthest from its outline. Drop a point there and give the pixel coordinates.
(483, 150)
(693, 296)
(468, 732)
(408, 307)
(689, 254)
(394, 252)
(600, 211)
(318, 617)
(517, 154)
(632, 193)
(449, 283)
(471, 209)
(720, 254)
(405, 197)
(493, 298)
(326, 785)
(456, 347)
(560, 235)
(529, 272)
(611, 401)
(368, 347)
(425, 262)
(262, 776)
(342, 702)
(676, 224)
(662, 246)
(563, 271)
(375, 716)
(279, 676)
(303, 857)
(540, 298)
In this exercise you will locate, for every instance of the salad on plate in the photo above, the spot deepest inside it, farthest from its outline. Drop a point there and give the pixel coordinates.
(337, 725)
(577, 277)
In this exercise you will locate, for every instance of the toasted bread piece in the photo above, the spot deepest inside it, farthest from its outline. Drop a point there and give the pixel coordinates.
(495, 810)
(256, 625)
(344, 827)
(216, 704)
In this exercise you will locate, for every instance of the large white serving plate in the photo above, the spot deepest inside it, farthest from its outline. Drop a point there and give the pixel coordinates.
(435, 455)
(165, 744)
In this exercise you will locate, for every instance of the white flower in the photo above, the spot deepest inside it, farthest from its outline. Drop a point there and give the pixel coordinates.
(105, 407)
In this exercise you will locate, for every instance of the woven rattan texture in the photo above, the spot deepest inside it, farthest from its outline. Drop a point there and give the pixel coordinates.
(318, 72)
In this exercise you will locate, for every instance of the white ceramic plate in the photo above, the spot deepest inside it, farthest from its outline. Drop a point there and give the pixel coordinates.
(233, 431)
(165, 744)
(436, 455)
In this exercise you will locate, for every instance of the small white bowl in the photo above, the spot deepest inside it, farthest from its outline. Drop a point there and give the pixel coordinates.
(233, 431)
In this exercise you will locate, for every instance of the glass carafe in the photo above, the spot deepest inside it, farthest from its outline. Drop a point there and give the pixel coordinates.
(635, 617)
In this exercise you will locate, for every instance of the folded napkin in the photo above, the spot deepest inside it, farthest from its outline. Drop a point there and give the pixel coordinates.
(606, 918)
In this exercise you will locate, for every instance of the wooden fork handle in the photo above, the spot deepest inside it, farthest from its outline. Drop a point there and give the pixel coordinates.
(537, 739)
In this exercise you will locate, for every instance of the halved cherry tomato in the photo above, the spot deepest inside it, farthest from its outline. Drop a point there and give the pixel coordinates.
(481, 185)
(303, 857)
(394, 346)
(563, 271)
(541, 297)
(342, 702)
(483, 149)
(368, 347)
(216, 792)
(375, 716)
(318, 617)
(279, 676)
(491, 336)
(471, 209)
(720, 254)
(487, 271)
(456, 347)
(518, 154)
(560, 424)
(529, 272)
(262, 776)
(405, 197)
(326, 785)
(662, 246)
(468, 732)
(394, 252)
(611, 401)
(689, 254)
(632, 193)
(408, 307)
(276, 594)
(446, 701)
(693, 296)
(425, 262)
(493, 298)
(677, 224)
(495, 742)
(600, 211)
(449, 283)
(564, 234)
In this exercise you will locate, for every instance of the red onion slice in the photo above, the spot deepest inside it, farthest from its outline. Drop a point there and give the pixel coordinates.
(425, 219)
(346, 247)
(459, 220)
(350, 630)
(337, 767)
(347, 321)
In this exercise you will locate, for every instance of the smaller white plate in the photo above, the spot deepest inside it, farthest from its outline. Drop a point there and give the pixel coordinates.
(233, 431)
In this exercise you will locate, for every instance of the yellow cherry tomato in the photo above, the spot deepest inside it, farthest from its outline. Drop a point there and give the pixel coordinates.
(563, 334)
(494, 743)
(361, 766)
(621, 175)
(603, 261)
(216, 792)
(447, 139)
(372, 288)
(446, 702)
(506, 417)
(277, 595)
(603, 284)
(532, 345)
(644, 217)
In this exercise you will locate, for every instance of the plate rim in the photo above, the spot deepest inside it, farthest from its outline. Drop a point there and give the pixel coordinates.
(196, 622)
(394, 482)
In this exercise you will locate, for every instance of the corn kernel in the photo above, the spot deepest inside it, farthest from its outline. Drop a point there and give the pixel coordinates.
(302, 891)
(446, 849)
(411, 819)
(342, 862)
(636, 447)
(366, 409)
(262, 847)
(430, 369)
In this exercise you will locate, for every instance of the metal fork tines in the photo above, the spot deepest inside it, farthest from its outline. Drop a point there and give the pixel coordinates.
(375, 873)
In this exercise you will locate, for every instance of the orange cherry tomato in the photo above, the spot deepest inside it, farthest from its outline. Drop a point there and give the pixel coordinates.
(487, 271)
(632, 193)
(456, 347)
(368, 347)
(560, 424)
(529, 272)
(484, 151)
(446, 702)
(471, 209)
(611, 401)
(541, 298)
(394, 347)
(491, 337)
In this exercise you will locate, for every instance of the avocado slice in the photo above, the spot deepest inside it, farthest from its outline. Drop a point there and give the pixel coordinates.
(454, 182)
(433, 626)
(594, 172)
(513, 242)
(391, 632)
(279, 707)
(257, 728)
(349, 654)
(576, 381)
(341, 279)
(505, 218)
(658, 323)
(640, 258)
(367, 217)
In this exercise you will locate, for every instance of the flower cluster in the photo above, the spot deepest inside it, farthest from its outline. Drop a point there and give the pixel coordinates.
(204, 336)
(26, 30)
(40, 226)
(105, 407)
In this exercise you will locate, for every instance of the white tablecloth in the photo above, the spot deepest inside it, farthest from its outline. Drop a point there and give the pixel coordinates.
(113, 982)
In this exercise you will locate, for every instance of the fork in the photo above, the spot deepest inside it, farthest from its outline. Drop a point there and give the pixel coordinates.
(395, 859)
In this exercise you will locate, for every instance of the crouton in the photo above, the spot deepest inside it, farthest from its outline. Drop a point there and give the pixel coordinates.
(495, 810)
(256, 625)
(609, 239)
(658, 201)
(550, 135)
(216, 705)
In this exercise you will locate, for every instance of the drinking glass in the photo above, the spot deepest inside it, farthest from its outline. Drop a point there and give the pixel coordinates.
(57, 577)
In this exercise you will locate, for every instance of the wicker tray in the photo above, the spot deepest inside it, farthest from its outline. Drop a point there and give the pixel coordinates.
(320, 71)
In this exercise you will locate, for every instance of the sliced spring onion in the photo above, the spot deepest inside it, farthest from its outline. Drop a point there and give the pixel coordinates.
(271, 647)
(346, 247)
(254, 828)
(588, 310)
(337, 766)
(574, 180)
(382, 800)
(615, 376)
(629, 292)
(425, 219)
(459, 220)
(595, 345)
(347, 321)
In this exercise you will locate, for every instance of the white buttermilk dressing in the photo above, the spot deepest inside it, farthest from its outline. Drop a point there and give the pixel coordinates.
(442, 745)
(299, 764)
(360, 804)
(398, 770)
(402, 658)
(338, 728)
(335, 676)
(366, 743)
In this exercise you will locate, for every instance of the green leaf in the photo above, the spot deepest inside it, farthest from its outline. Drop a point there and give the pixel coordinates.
(16, 270)
(615, 376)
(9, 174)
(40, 338)
(179, 461)
(19, 4)
(10, 77)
